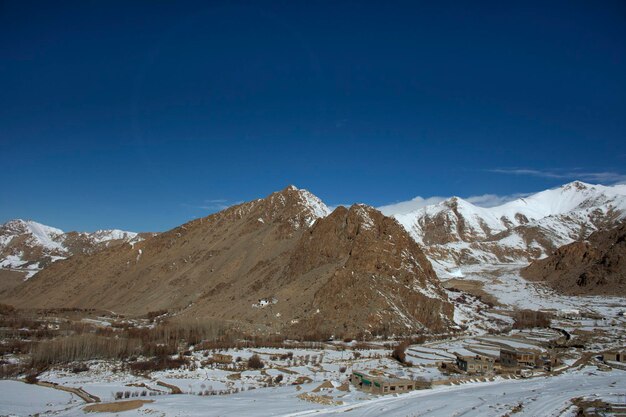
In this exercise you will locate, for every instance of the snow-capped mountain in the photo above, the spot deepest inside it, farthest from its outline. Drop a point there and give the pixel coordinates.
(28, 246)
(456, 232)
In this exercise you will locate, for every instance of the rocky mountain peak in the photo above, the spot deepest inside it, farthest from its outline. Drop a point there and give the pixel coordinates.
(297, 206)
(576, 186)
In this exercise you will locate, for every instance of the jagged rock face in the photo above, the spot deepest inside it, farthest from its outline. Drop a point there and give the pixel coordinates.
(276, 264)
(379, 281)
(26, 247)
(456, 232)
(594, 266)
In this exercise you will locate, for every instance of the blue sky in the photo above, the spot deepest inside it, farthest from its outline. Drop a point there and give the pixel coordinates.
(143, 115)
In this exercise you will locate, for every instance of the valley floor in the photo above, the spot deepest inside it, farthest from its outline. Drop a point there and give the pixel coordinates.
(542, 396)
(290, 384)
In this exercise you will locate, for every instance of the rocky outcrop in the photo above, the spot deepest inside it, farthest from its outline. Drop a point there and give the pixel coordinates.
(376, 277)
(594, 266)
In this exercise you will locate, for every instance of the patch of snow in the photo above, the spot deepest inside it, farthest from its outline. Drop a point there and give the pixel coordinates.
(264, 302)
(457, 273)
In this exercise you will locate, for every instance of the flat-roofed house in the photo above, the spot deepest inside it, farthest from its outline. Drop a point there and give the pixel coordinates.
(615, 355)
(513, 358)
(381, 385)
(476, 364)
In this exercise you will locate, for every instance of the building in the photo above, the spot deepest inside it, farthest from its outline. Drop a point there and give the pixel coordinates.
(477, 364)
(548, 362)
(381, 385)
(569, 313)
(222, 358)
(513, 358)
(615, 355)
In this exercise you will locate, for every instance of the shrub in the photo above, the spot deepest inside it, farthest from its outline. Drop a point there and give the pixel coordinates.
(6, 309)
(255, 362)
(10, 370)
(151, 315)
(399, 352)
(31, 378)
(278, 379)
(14, 346)
(83, 367)
(159, 363)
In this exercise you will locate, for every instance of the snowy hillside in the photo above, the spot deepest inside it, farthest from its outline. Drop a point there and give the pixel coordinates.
(456, 232)
(28, 246)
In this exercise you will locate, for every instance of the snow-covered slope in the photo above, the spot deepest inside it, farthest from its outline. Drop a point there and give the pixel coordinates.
(456, 232)
(28, 246)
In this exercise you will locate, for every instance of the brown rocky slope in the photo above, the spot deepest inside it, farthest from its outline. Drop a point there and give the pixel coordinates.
(594, 266)
(277, 264)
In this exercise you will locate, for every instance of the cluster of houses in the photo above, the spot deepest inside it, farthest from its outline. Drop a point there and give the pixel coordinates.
(511, 359)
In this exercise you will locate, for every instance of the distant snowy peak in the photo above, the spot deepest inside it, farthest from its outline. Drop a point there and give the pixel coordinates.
(576, 195)
(38, 233)
(456, 231)
(101, 236)
(28, 246)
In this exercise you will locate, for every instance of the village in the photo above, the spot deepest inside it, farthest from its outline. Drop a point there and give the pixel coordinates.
(337, 373)
(537, 341)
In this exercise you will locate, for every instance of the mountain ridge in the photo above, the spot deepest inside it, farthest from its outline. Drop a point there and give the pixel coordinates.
(455, 232)
(274, 264)
(596, 265)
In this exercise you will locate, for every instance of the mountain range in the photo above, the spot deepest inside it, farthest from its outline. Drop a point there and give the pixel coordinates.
(281, 264)
(455, 232)
(286, 263)
(26, 247)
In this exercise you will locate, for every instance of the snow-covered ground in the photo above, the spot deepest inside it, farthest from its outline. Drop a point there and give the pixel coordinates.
(302, 370)
(504, 282)
(20, 399)
(542, 396)
(546, 396)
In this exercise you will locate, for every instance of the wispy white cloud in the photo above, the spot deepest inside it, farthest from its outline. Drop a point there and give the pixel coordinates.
(606, 177)
(484, 200)
(403, 207)
(212, 204)
(493, 200)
